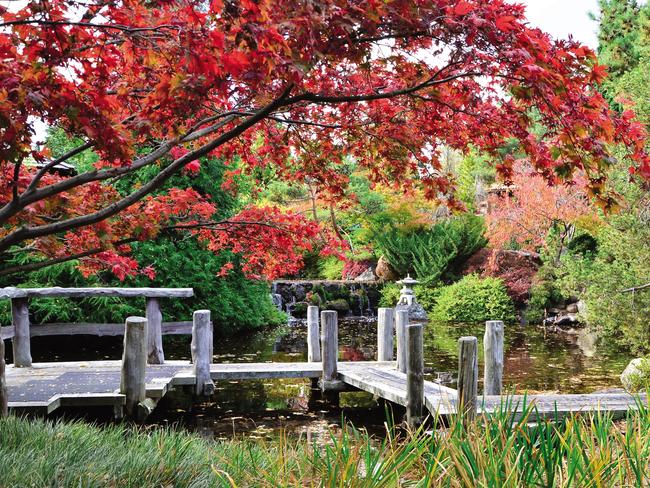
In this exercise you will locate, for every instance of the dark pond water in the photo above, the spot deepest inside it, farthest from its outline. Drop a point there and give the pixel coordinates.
(534, 361)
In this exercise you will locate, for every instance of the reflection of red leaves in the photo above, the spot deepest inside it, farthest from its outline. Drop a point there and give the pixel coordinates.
(352, 354)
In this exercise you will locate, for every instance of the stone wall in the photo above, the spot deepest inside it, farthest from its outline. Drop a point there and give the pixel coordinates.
(348, 298)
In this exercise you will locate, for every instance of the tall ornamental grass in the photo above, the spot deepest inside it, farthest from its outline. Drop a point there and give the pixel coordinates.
(496, 450)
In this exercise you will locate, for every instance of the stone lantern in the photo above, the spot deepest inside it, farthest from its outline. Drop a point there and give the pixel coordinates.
(407, 300)
(406, 294)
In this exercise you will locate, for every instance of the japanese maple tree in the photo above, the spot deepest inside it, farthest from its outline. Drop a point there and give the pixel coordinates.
(296, 84)
(525, 212)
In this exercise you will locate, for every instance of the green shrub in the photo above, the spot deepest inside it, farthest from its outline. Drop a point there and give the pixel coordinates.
(639, 381)
(621, 262)
(544, 294)
(331, 268)
(236, 302)
(427, 296)
(474, 299)
(389, 295)
(435, 253)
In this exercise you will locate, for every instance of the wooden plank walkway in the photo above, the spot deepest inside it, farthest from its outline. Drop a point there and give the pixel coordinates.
(48, 386)
(547, 406)
(440, 400)
(390, 384)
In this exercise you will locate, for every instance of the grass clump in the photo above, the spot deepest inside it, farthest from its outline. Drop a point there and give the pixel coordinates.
(495, 450)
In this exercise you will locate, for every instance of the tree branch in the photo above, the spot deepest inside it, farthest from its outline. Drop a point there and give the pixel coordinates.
(636, 288)
(24, 233)
(213, 225)
(316, 98)
(118, 27)
(52, 164)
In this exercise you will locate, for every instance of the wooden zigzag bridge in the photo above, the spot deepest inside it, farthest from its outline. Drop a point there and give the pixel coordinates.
(133, 386)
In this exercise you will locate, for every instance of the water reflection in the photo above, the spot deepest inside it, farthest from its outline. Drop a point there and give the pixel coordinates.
(534, 361)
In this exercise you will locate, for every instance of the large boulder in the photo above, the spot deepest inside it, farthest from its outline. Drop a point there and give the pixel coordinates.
(339, 305)
(367, 275)
(385, 271)
(636, 376)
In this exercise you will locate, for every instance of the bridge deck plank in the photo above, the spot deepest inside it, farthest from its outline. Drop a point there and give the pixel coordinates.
(46, 386)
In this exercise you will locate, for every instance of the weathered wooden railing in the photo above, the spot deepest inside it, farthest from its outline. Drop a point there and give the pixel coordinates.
(393, 326)
(21, 330)
(142, 336)
(134, 363)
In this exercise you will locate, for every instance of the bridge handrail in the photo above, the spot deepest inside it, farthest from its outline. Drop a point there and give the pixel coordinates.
(20, 314)
(12, 292)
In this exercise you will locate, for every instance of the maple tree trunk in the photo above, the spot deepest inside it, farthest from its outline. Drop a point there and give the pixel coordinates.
(335, 224)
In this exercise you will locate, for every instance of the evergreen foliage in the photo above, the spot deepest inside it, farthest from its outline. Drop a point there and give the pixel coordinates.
(618, 35)
(435, 253)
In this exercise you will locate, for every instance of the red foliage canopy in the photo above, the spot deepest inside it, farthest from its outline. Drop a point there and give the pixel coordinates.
(299, 84)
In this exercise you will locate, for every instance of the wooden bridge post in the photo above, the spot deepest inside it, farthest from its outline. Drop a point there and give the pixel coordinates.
(493, 347)
(202, 338)
(415, 376)
(329, 337)
(467, 376)
(3, 380)
(21, 340)
(385, 333)
(134, 363)
(401, 322)
(313, 335)
(155, 354)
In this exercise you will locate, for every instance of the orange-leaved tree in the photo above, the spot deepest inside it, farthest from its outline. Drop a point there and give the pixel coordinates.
(300, 85)
(524, 213)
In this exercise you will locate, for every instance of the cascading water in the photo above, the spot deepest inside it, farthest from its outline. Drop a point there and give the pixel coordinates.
(350, 299)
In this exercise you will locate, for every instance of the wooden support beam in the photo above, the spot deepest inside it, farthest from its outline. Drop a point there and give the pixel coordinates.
(401, 322)
(313, 335)
(201, 352)
(3, 381)
(467, 376)
(59, 329)
(415, 376)
(21, 340)
(493, 348)
(155, 354)
(134, 363)
(385, 333)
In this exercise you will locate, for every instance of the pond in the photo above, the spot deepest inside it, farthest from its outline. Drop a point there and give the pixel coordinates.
(534, 361)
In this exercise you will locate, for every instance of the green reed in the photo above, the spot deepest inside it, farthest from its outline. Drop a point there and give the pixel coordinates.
(500, 449)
